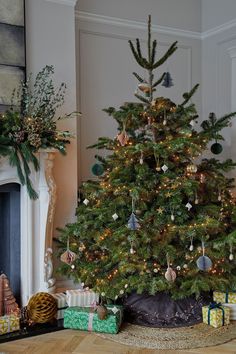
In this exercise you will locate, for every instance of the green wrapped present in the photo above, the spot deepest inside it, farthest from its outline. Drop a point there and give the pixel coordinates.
(86, 319)
(216, 315)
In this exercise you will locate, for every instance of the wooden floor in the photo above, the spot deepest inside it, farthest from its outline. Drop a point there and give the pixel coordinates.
(69, 341)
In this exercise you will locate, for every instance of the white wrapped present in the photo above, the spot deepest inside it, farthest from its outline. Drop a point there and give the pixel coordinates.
(232, 311)
(81, 298)
(61, 304)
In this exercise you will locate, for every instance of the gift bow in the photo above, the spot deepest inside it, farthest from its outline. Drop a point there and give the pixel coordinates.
(216, 305)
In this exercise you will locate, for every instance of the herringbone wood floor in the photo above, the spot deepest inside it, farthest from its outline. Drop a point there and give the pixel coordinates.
(73, 342)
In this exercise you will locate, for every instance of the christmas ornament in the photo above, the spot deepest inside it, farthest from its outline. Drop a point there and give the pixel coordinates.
(132, 251)
(97, 169)
(8, 303)
(165, 118)
(115, 216)
(145, 87)
(86, 201)
(219, 196)
(141, 159)
(196, 201)
(167, 81)
(204, 263)
(231, 256)
(216, 148)
(102, 312)
(178, 268)
(172, 217)
(123, 138)
(192, 168)
(191, 245)
(68, 256)
(170, 274)
(42, 307)
(133, 223)
(188, 206)
(164, 168)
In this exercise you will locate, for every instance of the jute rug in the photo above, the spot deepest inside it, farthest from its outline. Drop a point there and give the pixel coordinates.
(197, 336)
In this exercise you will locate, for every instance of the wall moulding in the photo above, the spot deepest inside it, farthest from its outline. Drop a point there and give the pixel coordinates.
(63, 2)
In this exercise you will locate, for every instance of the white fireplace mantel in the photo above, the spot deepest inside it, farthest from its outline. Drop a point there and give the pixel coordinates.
(36, 225)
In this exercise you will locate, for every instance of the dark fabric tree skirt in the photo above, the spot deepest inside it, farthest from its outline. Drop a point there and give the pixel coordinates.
(161, 311)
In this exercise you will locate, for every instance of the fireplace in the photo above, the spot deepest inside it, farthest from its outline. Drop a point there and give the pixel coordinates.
(30, 226)
(10, 237)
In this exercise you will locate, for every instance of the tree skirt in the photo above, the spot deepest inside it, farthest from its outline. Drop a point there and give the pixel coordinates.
(197, 336)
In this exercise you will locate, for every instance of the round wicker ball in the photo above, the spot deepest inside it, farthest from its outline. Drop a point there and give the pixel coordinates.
(42, 307)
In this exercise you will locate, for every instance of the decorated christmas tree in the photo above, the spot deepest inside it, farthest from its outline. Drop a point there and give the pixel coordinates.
(158, 218)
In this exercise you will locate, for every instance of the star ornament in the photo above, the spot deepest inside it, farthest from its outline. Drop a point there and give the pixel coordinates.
(188, 206)
(168, 194)
(160, 210)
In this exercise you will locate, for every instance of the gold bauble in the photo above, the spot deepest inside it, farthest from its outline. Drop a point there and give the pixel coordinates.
(42, 307)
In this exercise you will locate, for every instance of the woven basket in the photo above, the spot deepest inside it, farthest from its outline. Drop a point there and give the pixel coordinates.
(42, 307)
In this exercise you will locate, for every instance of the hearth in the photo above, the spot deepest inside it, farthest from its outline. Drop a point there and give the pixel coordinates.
(10, 236)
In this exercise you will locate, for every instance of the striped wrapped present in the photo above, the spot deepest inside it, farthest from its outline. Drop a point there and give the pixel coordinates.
(81, 298)
(232, 308)
(61, 304)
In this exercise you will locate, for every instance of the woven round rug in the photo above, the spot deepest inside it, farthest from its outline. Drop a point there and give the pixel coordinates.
(197, 336)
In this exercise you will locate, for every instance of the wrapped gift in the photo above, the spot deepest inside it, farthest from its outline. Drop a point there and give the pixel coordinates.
(9, 323)
(81, 298)
(61, 304)
(216, 315)
(225, 297)
(232, 308)
(86, 319)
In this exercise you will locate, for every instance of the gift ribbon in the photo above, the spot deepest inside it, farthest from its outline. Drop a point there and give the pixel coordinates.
(227, 295)
(215, 305)
(91, 315)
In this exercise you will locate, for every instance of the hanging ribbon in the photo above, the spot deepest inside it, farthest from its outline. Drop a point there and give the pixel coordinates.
(215, 305)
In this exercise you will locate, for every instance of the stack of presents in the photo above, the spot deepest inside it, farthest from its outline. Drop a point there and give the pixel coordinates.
(80, 310)
(221, 310)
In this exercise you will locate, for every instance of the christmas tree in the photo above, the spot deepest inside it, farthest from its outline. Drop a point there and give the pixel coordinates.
(155, 220)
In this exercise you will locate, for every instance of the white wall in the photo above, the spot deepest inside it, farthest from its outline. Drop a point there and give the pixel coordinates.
(50, 40)
(106, 64)
(182, 14)
(217, 12)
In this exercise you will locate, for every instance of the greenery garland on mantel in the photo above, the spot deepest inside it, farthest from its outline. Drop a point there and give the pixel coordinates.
(29, 126)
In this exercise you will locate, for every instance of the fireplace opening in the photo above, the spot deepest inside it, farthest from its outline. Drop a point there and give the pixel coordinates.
(10, 236)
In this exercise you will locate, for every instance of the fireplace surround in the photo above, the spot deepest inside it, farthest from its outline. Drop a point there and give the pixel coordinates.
(36, 225)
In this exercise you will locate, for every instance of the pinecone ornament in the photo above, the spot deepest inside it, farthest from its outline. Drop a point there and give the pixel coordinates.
(35, 140)
(19, 136)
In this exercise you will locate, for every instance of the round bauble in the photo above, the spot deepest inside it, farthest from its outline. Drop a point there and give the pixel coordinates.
(204, 263)
(216, 148)
(97, 169)
(42, 307)
(170, 275)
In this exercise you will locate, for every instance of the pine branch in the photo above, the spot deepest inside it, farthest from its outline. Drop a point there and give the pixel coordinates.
(159, 80)
(141, 98)
(154, 44)
(138, 77)
(136, 56)
(169, 52)
(138, 48)
(14, 161)
(149, 39)
(187, 95)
